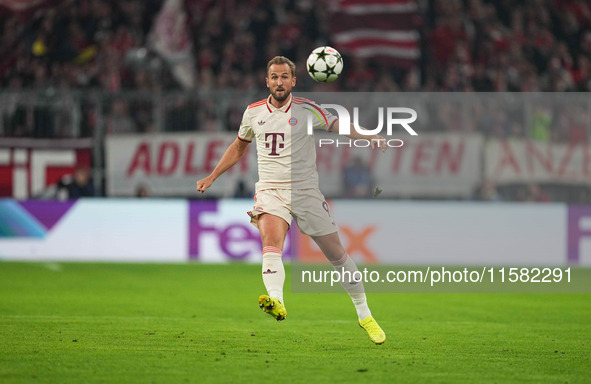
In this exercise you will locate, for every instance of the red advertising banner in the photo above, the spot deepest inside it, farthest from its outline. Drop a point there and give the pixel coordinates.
(170, 164)
(433, 165)
(522, 161)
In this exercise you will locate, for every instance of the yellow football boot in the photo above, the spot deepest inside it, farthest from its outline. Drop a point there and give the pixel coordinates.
(273, 307)
(376, 334)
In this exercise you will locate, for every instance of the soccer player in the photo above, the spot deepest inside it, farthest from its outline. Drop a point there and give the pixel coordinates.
(288, 187)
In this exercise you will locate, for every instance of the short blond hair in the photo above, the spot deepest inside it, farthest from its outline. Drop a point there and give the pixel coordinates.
(281, 60)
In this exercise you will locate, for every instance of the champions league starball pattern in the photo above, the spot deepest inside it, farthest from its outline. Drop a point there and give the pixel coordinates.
(324, 64)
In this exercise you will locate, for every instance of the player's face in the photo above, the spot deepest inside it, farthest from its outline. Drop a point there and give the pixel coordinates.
(280, 81)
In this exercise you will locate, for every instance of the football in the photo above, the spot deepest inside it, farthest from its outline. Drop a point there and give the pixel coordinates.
(324, 64)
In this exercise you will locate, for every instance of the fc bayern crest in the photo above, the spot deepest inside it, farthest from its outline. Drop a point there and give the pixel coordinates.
(293, 121)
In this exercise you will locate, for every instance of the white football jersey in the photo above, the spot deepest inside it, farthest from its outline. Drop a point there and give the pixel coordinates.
(286, 153)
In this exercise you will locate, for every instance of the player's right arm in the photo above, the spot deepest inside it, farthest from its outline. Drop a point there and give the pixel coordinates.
(234, 152)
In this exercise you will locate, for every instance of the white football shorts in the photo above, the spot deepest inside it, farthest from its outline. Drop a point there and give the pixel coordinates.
(306, 206)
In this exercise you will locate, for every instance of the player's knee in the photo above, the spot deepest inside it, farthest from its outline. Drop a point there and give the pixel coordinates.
(338, 260)
(334, 252)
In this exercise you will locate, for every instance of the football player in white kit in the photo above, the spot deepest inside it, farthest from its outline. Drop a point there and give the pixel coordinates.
(288, 188)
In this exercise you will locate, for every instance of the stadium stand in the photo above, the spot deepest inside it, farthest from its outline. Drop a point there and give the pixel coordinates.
(73, 48)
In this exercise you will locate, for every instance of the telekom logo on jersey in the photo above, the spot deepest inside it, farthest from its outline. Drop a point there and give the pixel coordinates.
(274, 142)
(344, 119)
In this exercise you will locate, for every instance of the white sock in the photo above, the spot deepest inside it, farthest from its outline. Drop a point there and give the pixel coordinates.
(355, 290)
(273, 272)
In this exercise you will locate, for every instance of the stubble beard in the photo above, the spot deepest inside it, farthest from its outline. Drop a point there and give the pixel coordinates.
(282, 98)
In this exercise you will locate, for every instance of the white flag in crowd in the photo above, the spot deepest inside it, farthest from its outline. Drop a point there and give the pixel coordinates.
(170, 38)
(18, 6)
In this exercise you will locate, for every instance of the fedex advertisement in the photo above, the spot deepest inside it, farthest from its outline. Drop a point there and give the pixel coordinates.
(374, 232)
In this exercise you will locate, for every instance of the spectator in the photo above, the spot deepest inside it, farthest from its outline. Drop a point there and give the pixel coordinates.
(541, 122)
(142, 191)
(242, 190)
(182, 116)
(536, 194)
(119, 120)
(80, 185)
(488, 192)
(358, 180)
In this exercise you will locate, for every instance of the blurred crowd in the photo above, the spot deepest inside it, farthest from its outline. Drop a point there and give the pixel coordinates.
(466, 46)
(472, 45)
(509, 45)
(76, 44)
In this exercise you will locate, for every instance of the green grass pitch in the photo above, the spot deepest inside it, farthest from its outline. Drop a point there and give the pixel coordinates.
(192, 323)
